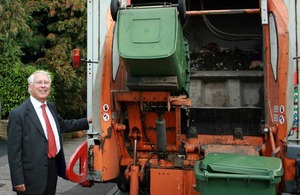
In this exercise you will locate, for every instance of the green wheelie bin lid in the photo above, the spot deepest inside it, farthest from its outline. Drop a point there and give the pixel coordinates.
(233, 174)
(242, 164)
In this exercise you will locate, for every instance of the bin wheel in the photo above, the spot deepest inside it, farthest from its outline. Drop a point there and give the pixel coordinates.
(182, 11)
(114, 8)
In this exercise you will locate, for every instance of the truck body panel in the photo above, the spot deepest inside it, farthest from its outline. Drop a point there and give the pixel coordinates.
(239, 72)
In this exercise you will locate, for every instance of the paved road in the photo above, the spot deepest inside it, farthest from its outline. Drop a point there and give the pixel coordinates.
(64, 187)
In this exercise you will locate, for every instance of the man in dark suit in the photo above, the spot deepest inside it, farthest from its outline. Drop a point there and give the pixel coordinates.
(34, 149)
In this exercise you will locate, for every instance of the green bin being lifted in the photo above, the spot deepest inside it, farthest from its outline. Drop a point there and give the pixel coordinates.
(151, 44)
(235, 174)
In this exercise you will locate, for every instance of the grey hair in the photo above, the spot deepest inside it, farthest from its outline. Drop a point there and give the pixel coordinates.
(31, 78)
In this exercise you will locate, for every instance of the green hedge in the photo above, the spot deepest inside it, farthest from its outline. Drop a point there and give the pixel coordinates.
(13, 87)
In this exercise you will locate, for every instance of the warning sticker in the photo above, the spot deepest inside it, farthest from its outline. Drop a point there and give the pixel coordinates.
(275, 117)
(281, 119)
(281, 109)
(276, 109)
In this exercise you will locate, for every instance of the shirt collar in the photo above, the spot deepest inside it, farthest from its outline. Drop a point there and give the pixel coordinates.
(36, 104)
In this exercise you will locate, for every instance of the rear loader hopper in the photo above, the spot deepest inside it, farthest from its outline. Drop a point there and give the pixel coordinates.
(192, 97)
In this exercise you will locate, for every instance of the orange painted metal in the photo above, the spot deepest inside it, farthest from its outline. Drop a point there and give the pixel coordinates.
(276, 89)
(225, 11)
(172, 181)
(134, 180)
(146, 132)
(138, 96)
(233, 149)
(98, 158)
(107, 155)
(229, 140)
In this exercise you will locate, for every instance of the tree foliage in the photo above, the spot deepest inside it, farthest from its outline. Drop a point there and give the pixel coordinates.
(14, 33)
(42, 35)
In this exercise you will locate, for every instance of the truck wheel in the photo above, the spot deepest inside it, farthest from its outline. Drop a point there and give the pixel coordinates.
(114, 8)
(182, 11)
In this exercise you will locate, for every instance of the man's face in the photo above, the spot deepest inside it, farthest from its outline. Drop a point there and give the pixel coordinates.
(40, 88)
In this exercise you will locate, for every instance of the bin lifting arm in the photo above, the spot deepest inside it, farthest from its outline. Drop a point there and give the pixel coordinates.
(80, 153)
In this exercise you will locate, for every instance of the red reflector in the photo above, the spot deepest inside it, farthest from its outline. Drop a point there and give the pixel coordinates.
(295, 78)
(86, 184)
(76, 58)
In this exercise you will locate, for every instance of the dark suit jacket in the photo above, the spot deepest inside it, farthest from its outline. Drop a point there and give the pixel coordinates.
(28, 147)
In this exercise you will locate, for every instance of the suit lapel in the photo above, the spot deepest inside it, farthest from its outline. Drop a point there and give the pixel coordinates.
(34, 117)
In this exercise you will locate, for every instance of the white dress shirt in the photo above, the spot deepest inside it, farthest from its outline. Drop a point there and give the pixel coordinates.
(37, 106)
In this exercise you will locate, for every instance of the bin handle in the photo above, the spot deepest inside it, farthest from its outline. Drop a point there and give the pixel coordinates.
(238, 176)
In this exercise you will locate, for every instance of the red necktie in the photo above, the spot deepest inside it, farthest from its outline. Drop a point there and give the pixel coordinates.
(51, 139)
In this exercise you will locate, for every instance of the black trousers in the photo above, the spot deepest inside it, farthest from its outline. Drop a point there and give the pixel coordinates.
(52, 178)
